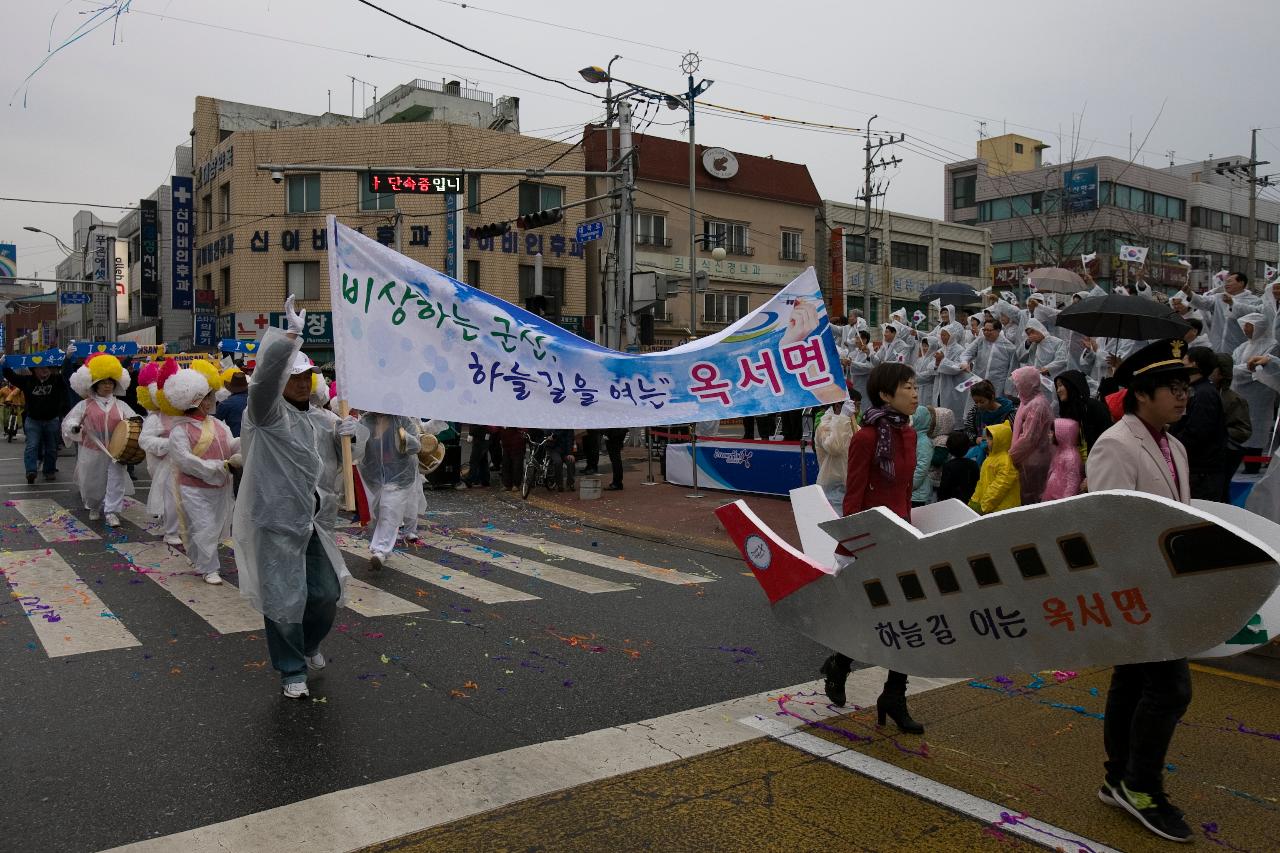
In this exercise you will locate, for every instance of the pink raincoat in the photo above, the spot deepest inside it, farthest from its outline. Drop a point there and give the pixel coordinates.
(1031, 451)
(1066, 471)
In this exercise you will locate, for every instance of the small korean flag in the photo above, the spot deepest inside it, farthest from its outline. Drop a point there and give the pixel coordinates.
(918, 317)
(1133, 254)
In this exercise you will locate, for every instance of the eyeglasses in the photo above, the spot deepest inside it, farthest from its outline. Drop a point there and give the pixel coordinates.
(1179, 389)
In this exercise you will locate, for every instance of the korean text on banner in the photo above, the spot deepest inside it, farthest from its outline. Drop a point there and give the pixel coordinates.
(412, 341)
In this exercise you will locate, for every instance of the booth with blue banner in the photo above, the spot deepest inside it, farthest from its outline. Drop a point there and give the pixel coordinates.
(739, 465)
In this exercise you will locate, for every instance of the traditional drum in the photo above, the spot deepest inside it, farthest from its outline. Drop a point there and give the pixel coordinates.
(124, 442)
(430, 455)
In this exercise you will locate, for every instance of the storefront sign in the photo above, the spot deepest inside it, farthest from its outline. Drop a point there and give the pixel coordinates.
(182, 232)
(744, 270)
(149, 259)
(1080, 189)
(205, 319)
(318, 330)
(216, 165)
(120, 280)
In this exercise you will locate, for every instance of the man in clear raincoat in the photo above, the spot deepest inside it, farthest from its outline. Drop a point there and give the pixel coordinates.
(289, 566)
(389, 471)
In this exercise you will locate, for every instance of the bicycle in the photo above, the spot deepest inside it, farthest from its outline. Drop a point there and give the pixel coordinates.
(12, 421)
(537, 465)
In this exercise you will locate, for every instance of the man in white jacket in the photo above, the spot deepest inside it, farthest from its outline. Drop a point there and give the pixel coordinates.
(1223, 310)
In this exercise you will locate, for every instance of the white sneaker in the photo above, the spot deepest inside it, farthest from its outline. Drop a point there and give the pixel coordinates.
(375, 562)
(172, 539)
(213, 578)
(296, 690)
(112, 519)
(315, 661)
(94, 515)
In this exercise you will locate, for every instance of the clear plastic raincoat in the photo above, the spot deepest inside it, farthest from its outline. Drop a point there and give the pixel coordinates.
(389, 470)
(280, 501)
(97, 417)
(199, 449)
(155, 441)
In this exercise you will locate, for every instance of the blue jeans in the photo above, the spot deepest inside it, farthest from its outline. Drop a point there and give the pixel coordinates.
(290, 643)
(42, 443)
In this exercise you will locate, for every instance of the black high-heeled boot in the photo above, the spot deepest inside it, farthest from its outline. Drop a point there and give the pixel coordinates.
(894, 706)
(835, 669)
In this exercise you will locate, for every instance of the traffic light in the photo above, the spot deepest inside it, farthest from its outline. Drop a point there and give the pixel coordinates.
(493, 229)
(539, 219)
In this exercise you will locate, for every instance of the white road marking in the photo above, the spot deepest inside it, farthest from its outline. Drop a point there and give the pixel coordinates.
(522, 566)
(358, 817)
(371, 601)
(52, 522)
(591, 558)
(136, 513)
(220, 606)
(1029, 829)
(68, 618)
(444, 577)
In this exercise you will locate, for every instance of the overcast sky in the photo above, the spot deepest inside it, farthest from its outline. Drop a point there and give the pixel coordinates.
(101, 119)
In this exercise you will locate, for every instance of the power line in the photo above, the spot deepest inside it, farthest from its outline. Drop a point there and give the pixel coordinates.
(490, 57)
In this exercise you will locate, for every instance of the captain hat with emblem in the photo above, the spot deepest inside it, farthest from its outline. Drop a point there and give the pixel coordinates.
(1161, 361)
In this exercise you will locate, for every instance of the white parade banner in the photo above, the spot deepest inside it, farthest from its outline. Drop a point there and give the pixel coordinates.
(409, 340)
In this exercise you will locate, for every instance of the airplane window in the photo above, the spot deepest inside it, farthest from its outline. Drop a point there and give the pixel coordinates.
(984, 570)
(1029, 562)
(875, 593)
(1077, 553)
(1207, 548)
(945, 579)
(911, 588)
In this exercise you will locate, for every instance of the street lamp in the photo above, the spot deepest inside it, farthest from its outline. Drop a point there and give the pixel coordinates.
(61, 245)
(689, 64)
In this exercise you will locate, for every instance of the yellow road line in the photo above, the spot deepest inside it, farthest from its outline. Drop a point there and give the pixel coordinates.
(1238, 676)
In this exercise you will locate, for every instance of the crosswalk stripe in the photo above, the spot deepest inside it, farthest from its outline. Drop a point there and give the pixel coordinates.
(370, 601)
(68, 618)
(522, 566)
(136, 513)
(220, 606)
(52, 522)
(653, 573)
(453, 580)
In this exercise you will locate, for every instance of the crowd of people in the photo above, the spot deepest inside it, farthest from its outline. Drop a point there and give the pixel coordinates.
(1002, 408)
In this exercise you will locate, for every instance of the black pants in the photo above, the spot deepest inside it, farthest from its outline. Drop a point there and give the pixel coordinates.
(894, 683)
(591, 450)
(613, 441)
(478, 475)
(1234, 455)
(1206, 485)
(1144, 705)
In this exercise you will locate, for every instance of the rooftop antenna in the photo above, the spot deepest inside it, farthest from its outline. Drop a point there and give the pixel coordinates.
(1171, 152)
(330, 100)
(982, 130)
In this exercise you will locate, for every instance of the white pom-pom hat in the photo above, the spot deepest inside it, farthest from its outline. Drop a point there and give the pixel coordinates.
(97, 368)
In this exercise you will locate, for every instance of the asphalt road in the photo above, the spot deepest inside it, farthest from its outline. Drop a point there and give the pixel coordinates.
(187, 726)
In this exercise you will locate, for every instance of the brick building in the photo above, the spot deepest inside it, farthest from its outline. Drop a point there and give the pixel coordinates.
(31, 324)
(762, 211)
(258, 239)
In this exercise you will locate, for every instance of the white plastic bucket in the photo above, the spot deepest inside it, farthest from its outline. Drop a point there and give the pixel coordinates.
(588, 488)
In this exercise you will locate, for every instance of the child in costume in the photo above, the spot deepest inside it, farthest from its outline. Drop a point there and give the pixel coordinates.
(155, 441)
(389, 469)
(203, 452)
(101, 381)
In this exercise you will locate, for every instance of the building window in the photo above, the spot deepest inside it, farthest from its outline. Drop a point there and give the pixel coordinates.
(473, 273)
(964, 188)
(792, 247)
(224, 201)
(206, 282)
(724, 307)
(956, 262)
(303, 279)
(207, 204)
(302, 193)
(370, 200)
(1142, 201)
(651, 229)
(731, 235)
(909, 256)
(226, 286)
(552, 287)
(1017, 148)
(536, 197)
(473, 194)
(660, 311)
(853, 248)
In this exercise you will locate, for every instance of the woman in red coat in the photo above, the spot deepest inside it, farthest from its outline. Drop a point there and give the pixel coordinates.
(882, 459)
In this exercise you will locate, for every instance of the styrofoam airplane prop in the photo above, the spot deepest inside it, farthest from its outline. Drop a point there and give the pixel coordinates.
(1098, 579)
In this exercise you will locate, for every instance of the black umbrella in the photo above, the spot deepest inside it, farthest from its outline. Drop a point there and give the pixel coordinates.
(1130, 317)
(944, 290)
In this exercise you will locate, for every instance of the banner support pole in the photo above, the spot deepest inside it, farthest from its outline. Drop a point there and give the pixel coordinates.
(693, 455)
(648, 449)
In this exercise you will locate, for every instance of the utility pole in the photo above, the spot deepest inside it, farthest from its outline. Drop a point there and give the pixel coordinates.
(625, 265)
(870, 151)
(1253, 201)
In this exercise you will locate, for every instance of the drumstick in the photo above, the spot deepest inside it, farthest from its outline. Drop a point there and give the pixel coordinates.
(348, 480)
